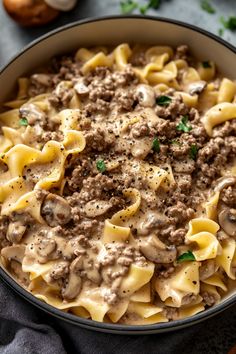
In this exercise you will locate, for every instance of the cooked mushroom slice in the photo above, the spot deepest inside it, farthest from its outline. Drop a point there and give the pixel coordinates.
(73, 285)
(154, 250)
(60, 270)
(42, 79)
(15, 231)
(207, 269)
(32, 113)
(97, 207)
(197, 87)
(55, 210)
(227, 220)
(45, 247)
(151, 221)
(81, 88)
(15, 253)
(224, 182)
(145, 94)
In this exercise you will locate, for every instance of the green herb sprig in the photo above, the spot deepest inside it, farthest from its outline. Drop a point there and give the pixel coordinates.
(183, 125)
(193, 152)
(156, 145)
(101, 166)
(229, 23)
(185, 257)
(206, 6)
(23, 122)
(163, 100)
(128, 6)
(152, 4)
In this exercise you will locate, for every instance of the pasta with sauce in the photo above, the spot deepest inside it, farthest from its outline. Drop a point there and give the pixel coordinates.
(118, 184)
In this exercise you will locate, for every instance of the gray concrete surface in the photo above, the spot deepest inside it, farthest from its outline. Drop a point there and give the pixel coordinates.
(13, 38)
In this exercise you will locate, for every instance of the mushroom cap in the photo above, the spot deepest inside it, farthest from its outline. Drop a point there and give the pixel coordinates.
(227, 220)
(154, 250)
(55, 210)
(61, 5)
(30, 12)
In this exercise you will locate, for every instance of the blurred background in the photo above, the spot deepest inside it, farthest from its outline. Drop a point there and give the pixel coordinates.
(216, 16)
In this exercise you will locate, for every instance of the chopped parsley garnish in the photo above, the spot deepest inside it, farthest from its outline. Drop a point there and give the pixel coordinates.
(128, 6)
(206, 6)
(206, 64)
(193, 152)
(23, 122)
(183, 125)
(156, 145)
(229, 23)
(163, 100)
(101, 166)
(185, 257)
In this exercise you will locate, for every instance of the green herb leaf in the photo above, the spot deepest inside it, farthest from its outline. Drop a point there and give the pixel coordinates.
(128, 6)
(156, 145)
(143, 9)
(163, 100)
(206, 6)
(23, 122)
(230, 23)
(185, 257)
(183, 126)
(154, 4)
(101, 166)
(193, 152)
(221, 31)
(206, 64)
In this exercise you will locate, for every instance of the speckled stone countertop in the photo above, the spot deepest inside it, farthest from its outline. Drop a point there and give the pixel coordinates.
(13, 38)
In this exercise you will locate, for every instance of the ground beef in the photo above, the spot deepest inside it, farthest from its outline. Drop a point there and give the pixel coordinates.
(3, 231)
(47, 136)
(211, 149)
(66, 68)
(225, 129)
(97, 187)
(61, 97)
(209, 299)
(125, 100)
(140, 129)
(108, 90)
(138, 59)
(174, 109)
(164, 270)
(182, 52)
(177, 237)
(165, 128)
(228, 196)
(80, 170)
(179, 213)
(98, 139)
(171, 313)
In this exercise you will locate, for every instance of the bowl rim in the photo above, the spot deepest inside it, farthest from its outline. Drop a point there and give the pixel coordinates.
(88, 323)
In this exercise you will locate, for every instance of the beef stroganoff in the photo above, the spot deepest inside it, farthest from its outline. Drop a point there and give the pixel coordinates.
(118, 184)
